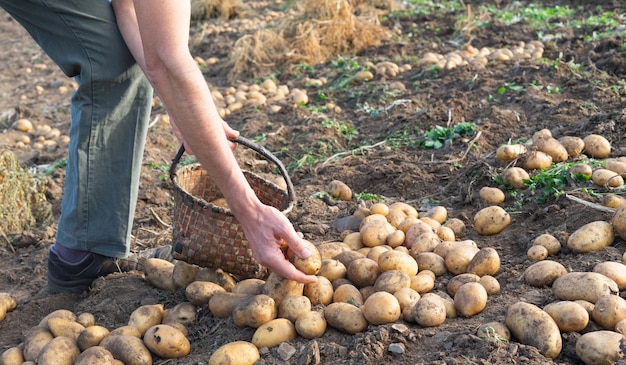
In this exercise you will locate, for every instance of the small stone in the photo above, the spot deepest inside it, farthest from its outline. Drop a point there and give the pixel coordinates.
(400, 328)
(396, 348)
(286, 351)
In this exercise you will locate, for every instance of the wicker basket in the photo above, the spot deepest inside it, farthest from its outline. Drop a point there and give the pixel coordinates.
(209, 235)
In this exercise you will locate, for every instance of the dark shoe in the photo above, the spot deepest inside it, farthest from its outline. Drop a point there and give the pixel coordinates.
(77, 277)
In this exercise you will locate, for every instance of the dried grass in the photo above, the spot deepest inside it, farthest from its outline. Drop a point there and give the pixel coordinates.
(222, 9)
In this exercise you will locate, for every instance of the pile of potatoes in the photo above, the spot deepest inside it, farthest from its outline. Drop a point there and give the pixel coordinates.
(41, 137)
(65, 338)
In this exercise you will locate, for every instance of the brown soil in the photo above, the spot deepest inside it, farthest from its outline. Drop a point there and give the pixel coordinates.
(591, 101)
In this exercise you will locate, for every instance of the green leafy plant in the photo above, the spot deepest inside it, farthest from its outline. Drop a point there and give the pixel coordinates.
(439, 137)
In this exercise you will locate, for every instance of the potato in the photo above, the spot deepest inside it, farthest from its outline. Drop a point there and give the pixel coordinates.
(597, 146)
(235, 353)
(91, 336)
(63, 327)
(160, 273)
(345, 318)
(457, 226)
(586, 304)
(7, 304)
(274, 332)
(348, 293)
(36, 338)
(618, 220)
(249, 286)
(459, 280)
(396, 260)
(375, 232)
(319, 292)
(184, 273)
(200, 292)
(391, 281)
(593, 236)
(589, 286)
(485, 262)
(339, 190)
(95, 355)
(347, 257)
(293, 306)
(608, 310)
(459, 258)
(86, 319)
(217, 276)
(406, 224)
(414, 231)
(617, 166)
(613, 200)
(363, 272)
(426, 241)
(396, 239)
(125, 330)
(600, 347)
(581, 169)
(537, 253)
(166, 341)
(446, 233)
(408, 209)
(515, 176)
(254, 311)
(470, 299)
(543, 273)
(607, 178)
(59, 313)
(438, 213)
(620, 327)
(332, 269)
(311, 324)
(491, 220)
(551, 243)
(12, 356)
(491, 195)
(353, 241)
(379, 208)
(569, 316)
(429, 310)
(532, 326)
(573, 145)
(222, 304)
(394, 217)
(311, 265)
(613, 270)
(510, 152)
(495, 330)
(406, 296)
(553, 148)
(61, 350)
(434, 225)
(375, 252)
(381, 307)
(537, 160)
(184, 313)
(371, 218)
(146, 316)
(278, 287)
(432, 262)
(491, 284)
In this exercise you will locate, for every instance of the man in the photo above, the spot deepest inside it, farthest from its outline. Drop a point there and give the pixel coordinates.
(106, 52)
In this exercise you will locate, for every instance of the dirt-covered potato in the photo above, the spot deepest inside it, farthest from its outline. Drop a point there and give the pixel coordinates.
(166, 341)
(12, 356)
(348, 293)
(381, 307)
(200, 292)
(408, 209)
(397, 260)
(551, 243)
(249, 286)
(311, 265)
(457, 281)
(63, 327)
(593, 236)
(537, 160)
(615, 165)
(426, 241)
(597, 146)
(278, 287)
(581, 169)
(613, 200)
(470, 299)
(618, 220)
(573, 145)
(532, 326)
(91, 336)
(95, 355)
(491, 195)
(160, 273)
(510, 152)
(422, 283)
(438, 213)
(345, 317)
(553, 148)
(613, 270)
(185, 313)
(7, 304)
(332, 269)
(589, 286)
(293, 306)
(515, 176)
(363, 272)
(569, 316)
(494, 330)
(491, 220)
(255, 311)
(59, 313)
(485, 262)
(339, 190)
(429, 310)
(146, 316)
(406, 296)
(432, 262)
(61, 350)
(600, 347)
(352, 240)
(274, 332)
(607, 178)
(86, 319)
(222, 304)
(490, 283)
(459, 258)
(457, 226)
(235, 353)
(35, 339)
(608, 310)
(391, 281)
(184, 273)
(375, 232)
(543, 273)
(311, 324)
(319, 292)
(537, 253)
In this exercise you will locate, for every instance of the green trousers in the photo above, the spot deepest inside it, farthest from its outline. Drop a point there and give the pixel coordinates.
(110, 112)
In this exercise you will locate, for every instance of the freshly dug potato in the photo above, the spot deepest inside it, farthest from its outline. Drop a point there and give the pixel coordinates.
(375, 232)
(353, 241)
(12, 356)
(348, 293)
(125, 330)
(553, 148)
(217, 276)
(375, 252)
(438, 213)
(593, 236)
(363, 272)
(408, 209)
(532, 326)
(166, 342)
(429, 310)
(63, 327)
(434, 225)
(485, 262)
(510, 152)
(597, 146)
(397, 260)
(235, 353)
(59, 313)
(432, 262)
(146, 316)
(59, 351)
(426, 241)
(620, 327)
(607, 178)
(36, 338)
(537, 253)
(391, 281)
(7, 304)
(459, 280)
(293, 306)
(200, 292)
(589, 286)
(573, 145)
(615, 165)
(613, 200)
(339, 190)
(381, 307)
(551, 243)
(160, 273)
(332, 269)
(95, 355)
(91, 336)
(184, 273)
(569, 316)
(608, 310)
(254, 311)
(319, 292)
(222, 304)
(618, 220)
(491, 195)
(414, 232)
(278, 287)
(543, 273)
(86, 319)
(395, 217)
(274, 332)
(537, 160)
(491, 220)
(457, 226)
(470, 299)
(459, 258)
(581, 169)
(249, 286)
(345, 317)
(490, 283)
(185, 313)
(446, 233)
(515, 176)
(495, 330)
(601, 347)
(311, 265)
(406, 296)
(613, 270)
(311, 324)
(421, 283)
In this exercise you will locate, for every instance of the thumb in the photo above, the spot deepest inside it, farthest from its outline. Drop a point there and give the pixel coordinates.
(299, 247)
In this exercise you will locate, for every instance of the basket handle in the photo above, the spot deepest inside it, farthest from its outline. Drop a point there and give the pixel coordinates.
(258, 149)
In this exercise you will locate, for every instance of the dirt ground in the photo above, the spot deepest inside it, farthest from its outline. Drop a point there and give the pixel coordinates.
(588, 75)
